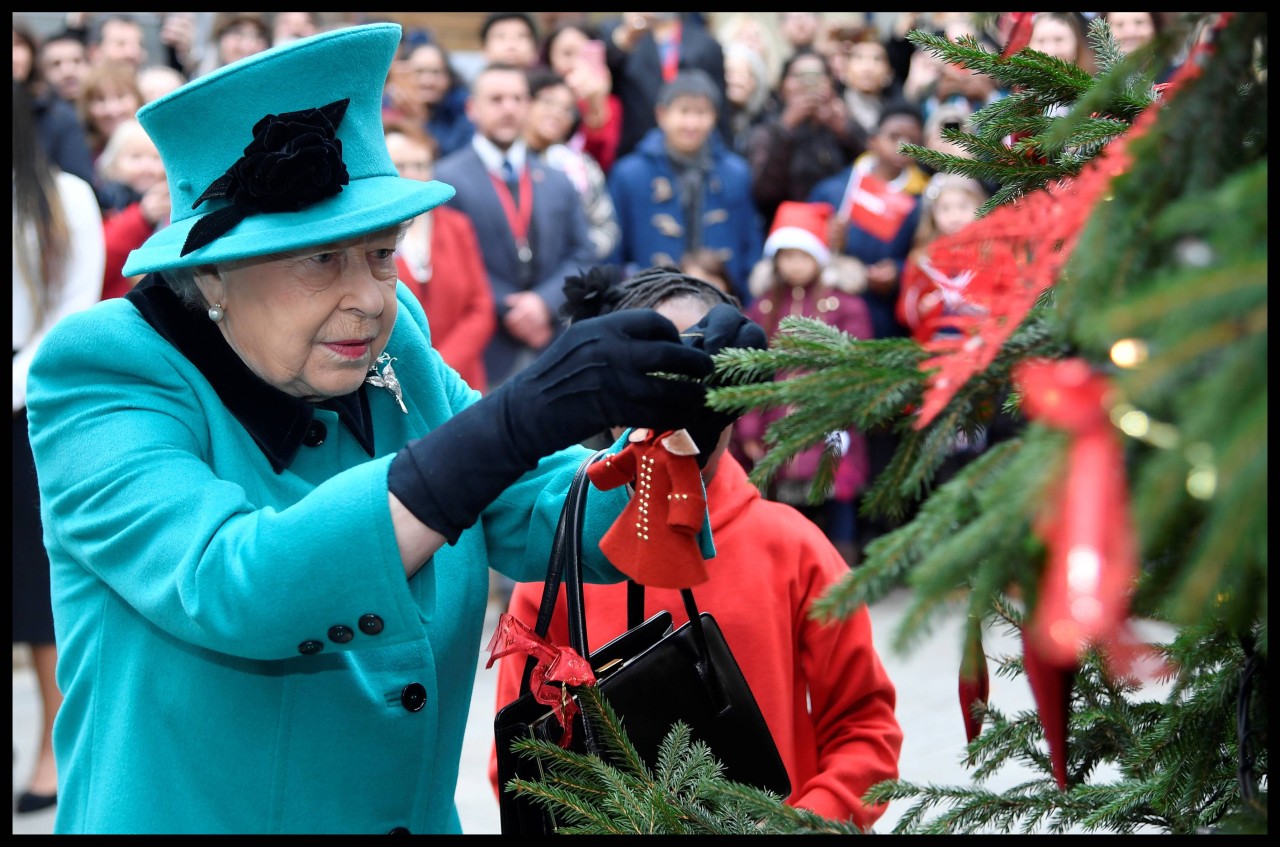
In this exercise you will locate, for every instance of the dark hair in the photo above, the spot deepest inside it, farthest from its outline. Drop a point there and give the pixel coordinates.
(540, 78)
(544, 50)
(602, 289)
(36, 203)
(802, 53)
(899, 106)
(100, 22)
(494, 17)
(65, 34)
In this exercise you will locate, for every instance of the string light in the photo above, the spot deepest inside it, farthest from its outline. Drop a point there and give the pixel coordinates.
(1202, 478)
(1129, 352)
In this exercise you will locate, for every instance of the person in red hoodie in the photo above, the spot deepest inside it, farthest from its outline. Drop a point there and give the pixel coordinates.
(821, 686)
(439, 259)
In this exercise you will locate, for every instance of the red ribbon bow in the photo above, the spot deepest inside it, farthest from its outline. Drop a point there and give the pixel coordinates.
(553, 664)
(1092, 559)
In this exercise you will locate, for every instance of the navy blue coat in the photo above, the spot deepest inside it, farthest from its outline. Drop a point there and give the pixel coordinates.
(646, 198)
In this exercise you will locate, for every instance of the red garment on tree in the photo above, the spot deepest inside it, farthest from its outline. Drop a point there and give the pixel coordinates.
(655, 539)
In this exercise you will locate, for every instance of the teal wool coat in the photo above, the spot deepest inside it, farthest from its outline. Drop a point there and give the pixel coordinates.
(193, 584)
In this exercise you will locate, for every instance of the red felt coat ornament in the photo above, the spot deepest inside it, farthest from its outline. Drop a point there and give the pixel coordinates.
(655, 539)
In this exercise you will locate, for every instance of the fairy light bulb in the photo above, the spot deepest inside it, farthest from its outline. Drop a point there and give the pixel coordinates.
(1129, 352)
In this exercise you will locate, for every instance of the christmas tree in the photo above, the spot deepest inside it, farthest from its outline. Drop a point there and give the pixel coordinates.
(1120, 317)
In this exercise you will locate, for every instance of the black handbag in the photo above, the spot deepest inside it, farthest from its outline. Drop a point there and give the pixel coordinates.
(652, 677)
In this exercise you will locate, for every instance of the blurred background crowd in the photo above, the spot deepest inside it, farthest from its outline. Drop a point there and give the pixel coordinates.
(757, 151)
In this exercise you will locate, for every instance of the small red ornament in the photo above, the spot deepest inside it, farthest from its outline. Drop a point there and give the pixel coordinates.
(975, 683)
(1051, 688)
(1092, 563)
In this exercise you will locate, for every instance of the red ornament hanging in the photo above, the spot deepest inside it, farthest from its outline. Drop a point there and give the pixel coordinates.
(975, 683)
(1051, 688)
(1092, 563)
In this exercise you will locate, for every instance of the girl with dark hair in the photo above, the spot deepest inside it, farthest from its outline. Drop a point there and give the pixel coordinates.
(821, 686)
(58, 258)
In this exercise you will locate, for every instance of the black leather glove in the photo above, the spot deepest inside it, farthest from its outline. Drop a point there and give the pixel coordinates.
(723, 327)
(594, 376)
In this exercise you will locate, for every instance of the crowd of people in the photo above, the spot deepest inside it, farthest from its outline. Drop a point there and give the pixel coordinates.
(761, 162)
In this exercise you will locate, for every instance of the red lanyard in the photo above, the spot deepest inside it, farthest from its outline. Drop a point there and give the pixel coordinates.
(671, 54)
(519, 219)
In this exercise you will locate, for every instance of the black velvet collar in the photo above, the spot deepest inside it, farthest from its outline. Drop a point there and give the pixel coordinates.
(276, 420)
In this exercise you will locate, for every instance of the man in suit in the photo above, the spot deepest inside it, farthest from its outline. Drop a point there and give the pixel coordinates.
(527, 215)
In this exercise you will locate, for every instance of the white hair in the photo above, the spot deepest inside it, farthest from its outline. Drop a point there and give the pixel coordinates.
(127, 131)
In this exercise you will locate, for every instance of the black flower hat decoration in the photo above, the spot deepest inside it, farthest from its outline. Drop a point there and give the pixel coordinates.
(294, 161)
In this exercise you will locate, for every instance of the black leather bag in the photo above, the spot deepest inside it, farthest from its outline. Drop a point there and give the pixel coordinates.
(651, 675)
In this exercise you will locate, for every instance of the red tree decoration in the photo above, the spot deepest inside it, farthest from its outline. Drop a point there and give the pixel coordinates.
(1013, 255)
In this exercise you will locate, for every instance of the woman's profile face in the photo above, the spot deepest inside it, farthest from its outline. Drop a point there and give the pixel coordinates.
(310, 322)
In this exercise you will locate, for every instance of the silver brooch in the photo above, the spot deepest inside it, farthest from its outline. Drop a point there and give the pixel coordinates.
(387, 379)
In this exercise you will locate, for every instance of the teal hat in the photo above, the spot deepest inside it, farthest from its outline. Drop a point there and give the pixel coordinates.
(281, 150)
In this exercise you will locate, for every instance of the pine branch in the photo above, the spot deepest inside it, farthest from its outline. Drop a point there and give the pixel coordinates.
(1174, 258)
(685, 794)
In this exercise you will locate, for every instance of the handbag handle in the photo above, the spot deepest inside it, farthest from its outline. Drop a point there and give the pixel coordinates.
(565, 565)
(571, 568)
(574, 502)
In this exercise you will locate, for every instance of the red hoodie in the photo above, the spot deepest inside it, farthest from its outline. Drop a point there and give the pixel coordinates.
(821, 686)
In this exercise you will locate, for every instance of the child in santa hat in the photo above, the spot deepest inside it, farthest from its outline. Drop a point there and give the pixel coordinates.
(796, 279)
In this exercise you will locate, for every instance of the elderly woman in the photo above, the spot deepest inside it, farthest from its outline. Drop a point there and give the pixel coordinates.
(270, 506)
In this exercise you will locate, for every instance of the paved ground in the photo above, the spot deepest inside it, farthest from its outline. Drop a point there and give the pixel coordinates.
(927, 709)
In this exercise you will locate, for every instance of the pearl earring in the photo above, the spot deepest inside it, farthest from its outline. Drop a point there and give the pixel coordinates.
(216, 313)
